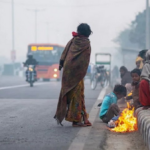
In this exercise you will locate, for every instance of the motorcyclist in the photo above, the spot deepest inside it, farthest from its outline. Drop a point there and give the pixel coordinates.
(100, 70)
(30, 61)
(98, 76)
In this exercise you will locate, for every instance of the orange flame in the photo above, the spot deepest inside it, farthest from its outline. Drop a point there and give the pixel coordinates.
(126, 122)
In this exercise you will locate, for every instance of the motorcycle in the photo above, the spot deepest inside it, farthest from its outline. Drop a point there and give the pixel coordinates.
(30, 74)
(100, 76)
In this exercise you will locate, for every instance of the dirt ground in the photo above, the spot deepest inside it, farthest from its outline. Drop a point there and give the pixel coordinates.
(124, 141)
(100, 138)
(127, 141)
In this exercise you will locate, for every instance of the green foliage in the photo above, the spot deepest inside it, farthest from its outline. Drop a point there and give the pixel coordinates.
(135, 35)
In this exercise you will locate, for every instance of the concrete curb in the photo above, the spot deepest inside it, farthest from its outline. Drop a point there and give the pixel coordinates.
(81, 137)
(143, 118)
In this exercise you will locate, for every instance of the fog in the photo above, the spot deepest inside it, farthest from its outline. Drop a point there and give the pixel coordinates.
(56, 19)
(44, 101)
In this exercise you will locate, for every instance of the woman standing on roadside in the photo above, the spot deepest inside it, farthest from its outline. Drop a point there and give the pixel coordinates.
(74, 61)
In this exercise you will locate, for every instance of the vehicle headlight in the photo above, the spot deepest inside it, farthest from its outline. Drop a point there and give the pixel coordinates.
(55, 75)
(30, 69)
(55, 70)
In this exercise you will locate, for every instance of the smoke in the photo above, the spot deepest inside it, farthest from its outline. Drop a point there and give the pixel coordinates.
(106, 19)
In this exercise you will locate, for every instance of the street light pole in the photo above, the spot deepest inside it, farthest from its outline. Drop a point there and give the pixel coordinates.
(13, 53)
(47, 23)
(36, 25)
(13, 39)
(147, 25)
(35, 11)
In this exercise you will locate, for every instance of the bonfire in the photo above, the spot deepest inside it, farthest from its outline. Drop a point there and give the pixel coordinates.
(126, 122)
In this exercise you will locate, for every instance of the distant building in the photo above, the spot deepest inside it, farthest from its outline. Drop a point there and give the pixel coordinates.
(129, 57)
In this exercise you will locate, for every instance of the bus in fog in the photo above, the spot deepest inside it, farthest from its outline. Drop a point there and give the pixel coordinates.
(47, 56)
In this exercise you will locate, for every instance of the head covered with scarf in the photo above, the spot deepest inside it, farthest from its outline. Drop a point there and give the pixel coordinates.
(141, 58)
(146, 69)
(139, 62)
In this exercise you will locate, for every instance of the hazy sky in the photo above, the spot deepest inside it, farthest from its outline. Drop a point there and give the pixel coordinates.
(106, 18)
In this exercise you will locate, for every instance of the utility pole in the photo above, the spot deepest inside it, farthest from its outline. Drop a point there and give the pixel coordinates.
(35, 11)
(147, 25)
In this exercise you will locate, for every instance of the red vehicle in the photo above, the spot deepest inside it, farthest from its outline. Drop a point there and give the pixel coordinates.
(47, 56)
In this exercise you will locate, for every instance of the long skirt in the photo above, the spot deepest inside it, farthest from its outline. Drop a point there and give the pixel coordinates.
(76, 104)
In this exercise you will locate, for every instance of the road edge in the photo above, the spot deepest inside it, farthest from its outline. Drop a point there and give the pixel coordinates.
(80, 139)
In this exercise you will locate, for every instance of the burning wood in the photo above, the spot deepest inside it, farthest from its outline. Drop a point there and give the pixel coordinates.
(126, 122)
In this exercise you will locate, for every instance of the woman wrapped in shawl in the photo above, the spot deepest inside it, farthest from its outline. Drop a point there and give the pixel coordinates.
(74, 61)
(144, 92)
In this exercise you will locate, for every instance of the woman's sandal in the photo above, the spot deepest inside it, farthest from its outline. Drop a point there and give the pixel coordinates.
(88, 123)
(79, 124)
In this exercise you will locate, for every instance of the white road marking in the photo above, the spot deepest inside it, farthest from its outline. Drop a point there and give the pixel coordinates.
(80, 139)
(18, 86)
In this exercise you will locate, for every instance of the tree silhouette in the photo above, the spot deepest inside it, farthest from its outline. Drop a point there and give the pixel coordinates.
(135, 35)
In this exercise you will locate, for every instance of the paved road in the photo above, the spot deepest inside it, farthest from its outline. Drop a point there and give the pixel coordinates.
(26, 116)
(10, 81)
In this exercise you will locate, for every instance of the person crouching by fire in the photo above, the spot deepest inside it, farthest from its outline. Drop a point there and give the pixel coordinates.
(109, 107)
(135, 74)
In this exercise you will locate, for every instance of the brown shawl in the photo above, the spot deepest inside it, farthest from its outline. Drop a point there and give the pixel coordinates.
(76, 58)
